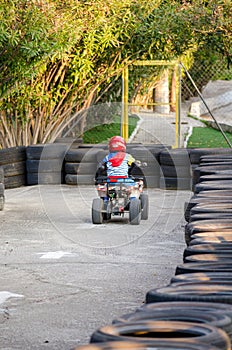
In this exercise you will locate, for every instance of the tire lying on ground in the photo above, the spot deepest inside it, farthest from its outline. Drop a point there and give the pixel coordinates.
(203, 267)
(195, 154)
(211, 292)
(195, 200)
(146, 332)
(223, 235)
(212, 318)
(2, 189)
(206, 226)
(209, 258)
(201, 307)
(209, 216)
(216, 177)
(211, 240)
(202, 277)
(220, 248)
(208, 170)
(213, 185)
(158, 345)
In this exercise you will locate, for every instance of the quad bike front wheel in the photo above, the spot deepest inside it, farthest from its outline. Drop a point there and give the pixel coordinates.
(135, 211)
(144, 206)
(97, 207)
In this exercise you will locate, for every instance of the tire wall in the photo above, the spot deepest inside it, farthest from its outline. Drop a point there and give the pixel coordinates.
(13, 162)
(76, 163)
(2, 189)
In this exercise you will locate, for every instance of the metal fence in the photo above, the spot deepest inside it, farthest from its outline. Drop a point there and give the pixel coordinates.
(214, 80)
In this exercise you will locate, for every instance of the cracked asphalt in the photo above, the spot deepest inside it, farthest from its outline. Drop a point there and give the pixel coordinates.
(62, 277)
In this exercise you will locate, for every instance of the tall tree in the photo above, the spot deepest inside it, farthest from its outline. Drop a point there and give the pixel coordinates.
(58, 57)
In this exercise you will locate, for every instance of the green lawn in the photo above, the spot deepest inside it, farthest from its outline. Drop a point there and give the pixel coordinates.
(102, 133)
(206, 137)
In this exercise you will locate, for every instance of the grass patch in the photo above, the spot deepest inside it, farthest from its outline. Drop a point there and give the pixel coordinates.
(206, 137)
(102, 133)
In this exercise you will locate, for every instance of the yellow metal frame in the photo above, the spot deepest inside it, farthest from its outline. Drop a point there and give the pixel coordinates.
(125, 104)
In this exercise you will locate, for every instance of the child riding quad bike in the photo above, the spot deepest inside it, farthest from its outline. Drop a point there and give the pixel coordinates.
(119, 191)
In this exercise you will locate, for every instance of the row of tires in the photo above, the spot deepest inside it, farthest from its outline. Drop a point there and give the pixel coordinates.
(2, 189)
(76, 163)
(194, 311)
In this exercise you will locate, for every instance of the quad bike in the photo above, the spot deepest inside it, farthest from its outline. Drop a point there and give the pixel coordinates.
(118, 196)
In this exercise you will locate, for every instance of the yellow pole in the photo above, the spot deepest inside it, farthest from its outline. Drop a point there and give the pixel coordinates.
(124, 119)
(178, 104)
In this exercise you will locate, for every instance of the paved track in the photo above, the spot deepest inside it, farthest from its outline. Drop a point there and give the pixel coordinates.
(65, 277)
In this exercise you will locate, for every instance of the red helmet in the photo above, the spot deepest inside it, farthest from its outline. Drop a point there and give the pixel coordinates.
(117, 143)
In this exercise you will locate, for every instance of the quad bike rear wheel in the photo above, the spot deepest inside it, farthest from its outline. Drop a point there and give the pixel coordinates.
(97, 207)
(144, 206)
(135, 211)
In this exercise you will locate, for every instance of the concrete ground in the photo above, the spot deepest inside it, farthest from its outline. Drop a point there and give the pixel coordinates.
(62, 277)
(161, 128)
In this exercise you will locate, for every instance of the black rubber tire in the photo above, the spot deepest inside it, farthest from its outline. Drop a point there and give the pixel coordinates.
(216, 158)
(144, 155)
(97, 207)
(195, 154)
(151, 181)
(220, 248)
(211, 292)
(15, 181)
(12, 155)
(175, 171)
(201, 258)
(71, 179)
(2, 202)
(213, 185)
(144, 206)
(44, 166)
(135, 211)
(225, 309)
(225, 235)
(87, 168)
(1, 174)
(52, 178)
(46, 151)
(195, 200)
(173, 183)
(176, 157)
(71, 168)
(2, 189)
(215, 177)
(212, 318)
(207, 170)
(160, 330)
(14, 169)
(203, 267)
(85, 155)
(209, 216)
(205, 226)
(218, 207)
(202, 277)
(156, 345)
(225, 194)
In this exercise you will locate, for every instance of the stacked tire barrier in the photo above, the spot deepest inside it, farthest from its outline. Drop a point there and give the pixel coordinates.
(13, 161)
(175, 169)
(81, 164)
(2, 189)
(194, 311)
(45, 163)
